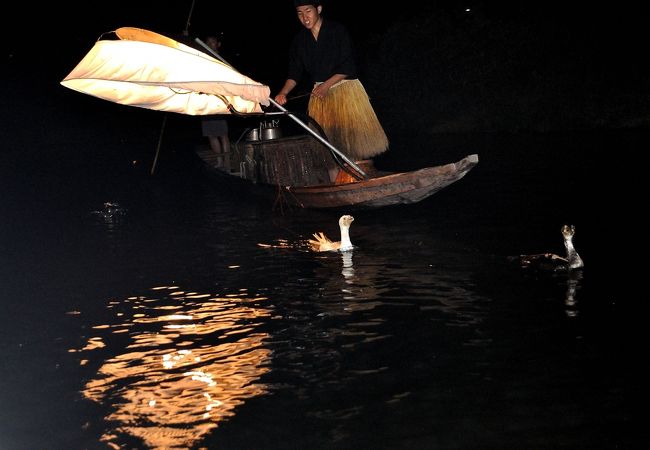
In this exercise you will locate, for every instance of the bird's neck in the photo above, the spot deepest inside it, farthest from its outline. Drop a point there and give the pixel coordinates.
(346, 244)
(572, 255)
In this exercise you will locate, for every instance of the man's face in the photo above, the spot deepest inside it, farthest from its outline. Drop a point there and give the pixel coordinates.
(308, 15)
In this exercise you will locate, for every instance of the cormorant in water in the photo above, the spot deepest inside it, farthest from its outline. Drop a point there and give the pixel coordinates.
(551, 261)
(322, 243)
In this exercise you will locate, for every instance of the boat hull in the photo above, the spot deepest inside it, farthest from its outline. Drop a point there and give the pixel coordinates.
(298, 171)
(386, 190)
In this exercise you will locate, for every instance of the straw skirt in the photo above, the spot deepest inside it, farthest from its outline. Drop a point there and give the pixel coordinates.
(349, 121)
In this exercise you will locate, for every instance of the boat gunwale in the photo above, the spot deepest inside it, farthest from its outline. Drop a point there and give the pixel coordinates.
(461, 165)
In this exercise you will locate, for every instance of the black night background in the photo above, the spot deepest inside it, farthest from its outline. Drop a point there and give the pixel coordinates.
(472, 66)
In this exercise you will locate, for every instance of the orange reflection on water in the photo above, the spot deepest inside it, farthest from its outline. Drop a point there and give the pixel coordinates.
(181, 372)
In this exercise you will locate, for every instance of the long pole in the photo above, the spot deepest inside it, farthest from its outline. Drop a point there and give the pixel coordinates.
(162, 130)
(211, 50)
(186, 32)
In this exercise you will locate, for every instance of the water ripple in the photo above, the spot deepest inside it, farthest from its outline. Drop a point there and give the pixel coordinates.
(189, 361)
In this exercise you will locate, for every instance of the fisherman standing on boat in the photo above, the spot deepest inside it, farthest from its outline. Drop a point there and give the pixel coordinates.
(338, 102)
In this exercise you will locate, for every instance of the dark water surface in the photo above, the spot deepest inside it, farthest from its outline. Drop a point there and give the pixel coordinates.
(167, 326)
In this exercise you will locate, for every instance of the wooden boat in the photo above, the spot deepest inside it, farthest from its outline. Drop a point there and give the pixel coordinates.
(307, 168)
(305, 174)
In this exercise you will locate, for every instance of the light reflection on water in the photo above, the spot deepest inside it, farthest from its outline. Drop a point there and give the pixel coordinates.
(342, 337)
(403, 343)
(572, 287)
(190, 360)
(398, 281)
